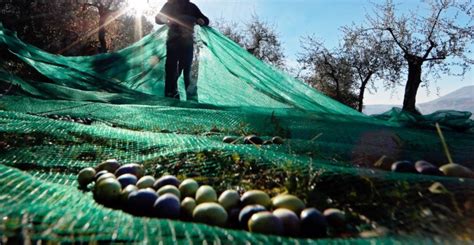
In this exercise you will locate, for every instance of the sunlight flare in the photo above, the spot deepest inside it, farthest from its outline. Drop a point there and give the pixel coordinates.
(138, 7)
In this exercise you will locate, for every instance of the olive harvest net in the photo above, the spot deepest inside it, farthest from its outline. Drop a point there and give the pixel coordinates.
(84, 110)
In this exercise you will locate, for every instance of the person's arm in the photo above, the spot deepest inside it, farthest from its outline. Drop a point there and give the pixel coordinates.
(202, 20)
(162, 17)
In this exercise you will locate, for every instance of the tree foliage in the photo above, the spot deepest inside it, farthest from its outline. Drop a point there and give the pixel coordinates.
(327, 70)
(108, 11)
(391, 46)
(258, 37)
(62, 27)
(68, 27)
(42, 23)
(374, 61)
(231, 30)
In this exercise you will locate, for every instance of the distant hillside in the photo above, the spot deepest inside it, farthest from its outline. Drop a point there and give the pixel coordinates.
(377, 109)
(459, 100)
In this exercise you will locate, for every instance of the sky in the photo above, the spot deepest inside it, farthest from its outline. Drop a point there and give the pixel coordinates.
(294, 19)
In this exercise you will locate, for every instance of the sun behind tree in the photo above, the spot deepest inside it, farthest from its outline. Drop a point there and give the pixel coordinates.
(138, 7)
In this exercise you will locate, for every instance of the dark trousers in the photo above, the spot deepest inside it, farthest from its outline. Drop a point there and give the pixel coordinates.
(179, 59)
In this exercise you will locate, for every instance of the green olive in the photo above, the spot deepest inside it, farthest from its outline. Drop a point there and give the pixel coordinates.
(86, 176)
(229, 199)
(206, 193)
(169, 189)
(290, 202)
(187, 206)
(210, 213)
(256, 197)
(188, 188)
(108, 190)
(146, 182)
(456, 170)
(265, 223)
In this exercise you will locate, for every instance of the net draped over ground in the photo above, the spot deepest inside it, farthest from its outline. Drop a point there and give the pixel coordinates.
(122, 95)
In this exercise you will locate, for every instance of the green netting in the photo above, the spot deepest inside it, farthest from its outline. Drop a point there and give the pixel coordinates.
(328, 159)
(457, 120)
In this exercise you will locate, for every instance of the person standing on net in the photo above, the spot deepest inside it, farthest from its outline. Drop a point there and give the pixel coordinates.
(180, 16)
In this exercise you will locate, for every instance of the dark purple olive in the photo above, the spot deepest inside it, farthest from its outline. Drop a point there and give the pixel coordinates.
(127, 179)
(313, 223)
(229, 139)
(166, 180)
(422, 163)
(167, 207)
(277, 140)
(253, 139)
(247, 212)
(131, 168)
(291, 221)
(3, 145)
(233, 219)
(403, 167)
(424, 167)
(110, 165)
(335, 218)
(141, 202)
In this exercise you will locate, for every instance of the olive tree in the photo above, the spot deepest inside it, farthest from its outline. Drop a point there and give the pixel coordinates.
(373, 60)
(258, 37)
(360, 62)
(231, 29)
(108, 11)
(329, 71)
(264, 42)
(44, 24)
(439, 41)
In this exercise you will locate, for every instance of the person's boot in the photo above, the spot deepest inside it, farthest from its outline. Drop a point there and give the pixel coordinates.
(172, 95)
(192, 97)
(191, 93)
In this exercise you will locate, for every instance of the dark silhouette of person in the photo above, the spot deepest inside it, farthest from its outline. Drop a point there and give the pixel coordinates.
(180, 16)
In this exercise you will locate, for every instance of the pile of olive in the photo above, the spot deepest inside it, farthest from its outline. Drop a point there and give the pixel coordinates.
(127, 187)
(254, 140)
(426, 168)
(85, 121)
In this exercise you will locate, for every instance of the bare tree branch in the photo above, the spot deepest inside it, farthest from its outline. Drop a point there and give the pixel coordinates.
(405, 50)
(435, 58)
(428, 51)
(435, 23)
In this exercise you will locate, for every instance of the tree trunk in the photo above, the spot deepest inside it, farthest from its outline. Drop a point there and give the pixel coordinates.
(102, 32)
(338, 91)
(413, 83)
(361, 94)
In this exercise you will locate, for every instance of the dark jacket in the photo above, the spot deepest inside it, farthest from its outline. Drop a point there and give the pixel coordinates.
(183, 16)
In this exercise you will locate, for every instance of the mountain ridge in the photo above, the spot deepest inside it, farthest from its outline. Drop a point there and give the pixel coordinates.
(459, 100)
